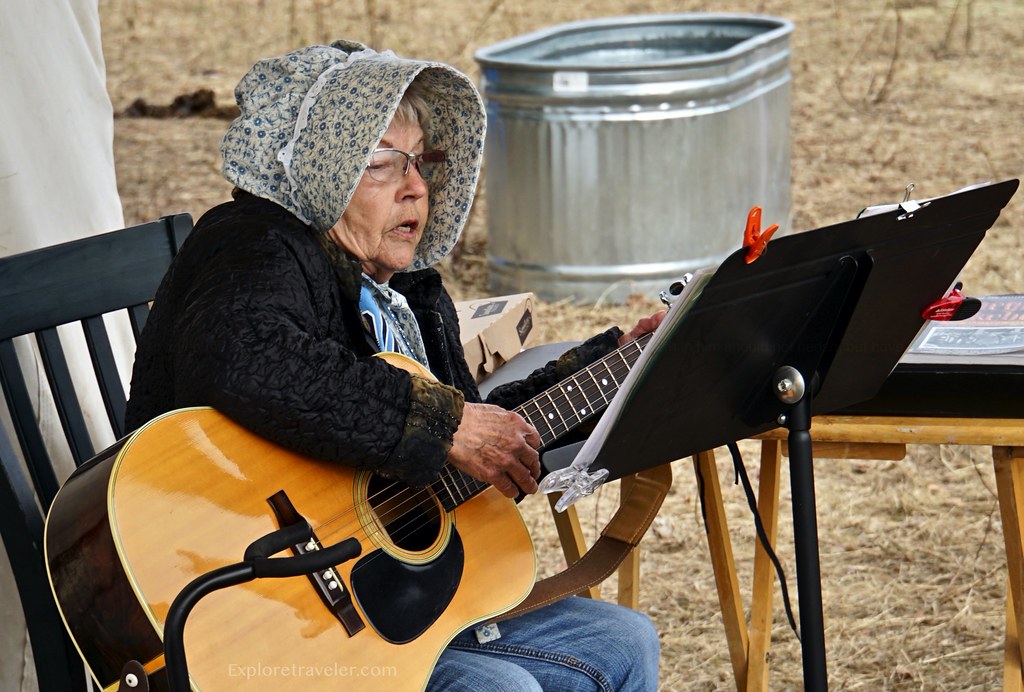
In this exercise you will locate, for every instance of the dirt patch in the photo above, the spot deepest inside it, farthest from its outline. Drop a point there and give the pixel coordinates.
(884, 93)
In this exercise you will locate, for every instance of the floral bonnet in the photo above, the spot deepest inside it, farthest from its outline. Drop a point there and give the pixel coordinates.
(310, 120)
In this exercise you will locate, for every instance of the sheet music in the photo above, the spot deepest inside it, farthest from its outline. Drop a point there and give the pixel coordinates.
(575, 481)
(910, 205)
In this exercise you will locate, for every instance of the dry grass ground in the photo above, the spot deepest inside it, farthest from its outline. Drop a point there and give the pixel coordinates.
(884, 92)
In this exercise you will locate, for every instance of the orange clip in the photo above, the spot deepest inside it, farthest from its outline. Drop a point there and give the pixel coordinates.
(753, 239)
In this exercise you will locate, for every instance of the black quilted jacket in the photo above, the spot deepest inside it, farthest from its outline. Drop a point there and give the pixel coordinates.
(258, 317)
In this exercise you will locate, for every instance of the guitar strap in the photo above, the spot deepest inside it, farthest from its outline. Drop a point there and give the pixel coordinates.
(637, 509)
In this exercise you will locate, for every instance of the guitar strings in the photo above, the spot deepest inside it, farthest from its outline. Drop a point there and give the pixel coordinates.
(619, 366)
(403, 525)
(416, 496)
(401, 528)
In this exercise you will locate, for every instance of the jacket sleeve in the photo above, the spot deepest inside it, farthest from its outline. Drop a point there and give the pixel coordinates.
(253, 341)
(572, 361)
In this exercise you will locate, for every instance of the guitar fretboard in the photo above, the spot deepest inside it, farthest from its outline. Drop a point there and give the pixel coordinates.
(554, 413)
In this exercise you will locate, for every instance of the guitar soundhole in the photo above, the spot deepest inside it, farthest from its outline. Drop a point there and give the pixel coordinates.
(408, 582)
(410, 517)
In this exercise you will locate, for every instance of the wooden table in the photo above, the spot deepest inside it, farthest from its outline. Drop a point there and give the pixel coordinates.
(859, 437)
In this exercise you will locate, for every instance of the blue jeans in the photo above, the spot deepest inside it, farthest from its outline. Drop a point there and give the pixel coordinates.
(573, 644)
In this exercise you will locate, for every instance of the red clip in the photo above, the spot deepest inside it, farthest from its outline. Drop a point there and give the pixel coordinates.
(953, 308)
(754, 240)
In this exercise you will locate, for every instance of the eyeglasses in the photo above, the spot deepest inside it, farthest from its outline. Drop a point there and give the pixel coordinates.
(390, 165)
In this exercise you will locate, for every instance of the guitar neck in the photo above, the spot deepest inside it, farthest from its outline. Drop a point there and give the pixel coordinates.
(555, 413)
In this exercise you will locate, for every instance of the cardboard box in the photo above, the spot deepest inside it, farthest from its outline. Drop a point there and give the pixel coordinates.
(495, 329)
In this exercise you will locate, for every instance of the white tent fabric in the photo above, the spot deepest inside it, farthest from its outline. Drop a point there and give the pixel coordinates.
(57, 183)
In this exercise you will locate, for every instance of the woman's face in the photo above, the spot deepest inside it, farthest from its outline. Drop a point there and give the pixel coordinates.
(384, 222)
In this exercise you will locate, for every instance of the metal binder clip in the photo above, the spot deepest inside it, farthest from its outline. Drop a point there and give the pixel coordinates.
(909, 206)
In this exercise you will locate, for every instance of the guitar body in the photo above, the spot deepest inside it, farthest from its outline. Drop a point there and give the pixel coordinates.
(188, 492)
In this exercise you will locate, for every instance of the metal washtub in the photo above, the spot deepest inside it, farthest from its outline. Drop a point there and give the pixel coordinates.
(624, 152)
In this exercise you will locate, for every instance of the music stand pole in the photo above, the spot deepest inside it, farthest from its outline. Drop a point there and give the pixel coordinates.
(790, 383)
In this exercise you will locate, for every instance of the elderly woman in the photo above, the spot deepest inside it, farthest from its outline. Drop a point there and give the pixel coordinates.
(354, 172)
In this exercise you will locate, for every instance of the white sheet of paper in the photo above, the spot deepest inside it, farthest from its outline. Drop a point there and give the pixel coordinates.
(680, 307)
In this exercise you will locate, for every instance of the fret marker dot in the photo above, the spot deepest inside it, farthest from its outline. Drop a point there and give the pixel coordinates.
(583, 412)
(604, 381)
(568, 388)
(551, 416)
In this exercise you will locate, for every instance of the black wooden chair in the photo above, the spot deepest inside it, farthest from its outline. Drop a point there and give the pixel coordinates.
(74, 282)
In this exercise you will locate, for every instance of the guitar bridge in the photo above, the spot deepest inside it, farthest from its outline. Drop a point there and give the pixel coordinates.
(327, 583)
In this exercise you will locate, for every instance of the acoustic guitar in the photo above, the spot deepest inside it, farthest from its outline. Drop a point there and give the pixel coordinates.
(186, 494)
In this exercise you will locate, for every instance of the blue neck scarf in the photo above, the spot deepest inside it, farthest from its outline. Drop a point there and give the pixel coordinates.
(387, 316)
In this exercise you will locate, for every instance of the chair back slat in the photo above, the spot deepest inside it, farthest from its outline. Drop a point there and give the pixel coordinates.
(21, 528)
(107, 376)
(24, 419)
(137, 315)
(65, 396)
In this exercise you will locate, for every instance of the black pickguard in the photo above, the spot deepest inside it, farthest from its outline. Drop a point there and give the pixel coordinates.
(402, 600)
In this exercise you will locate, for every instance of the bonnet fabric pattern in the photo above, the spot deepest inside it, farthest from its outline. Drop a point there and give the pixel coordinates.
(310, 120)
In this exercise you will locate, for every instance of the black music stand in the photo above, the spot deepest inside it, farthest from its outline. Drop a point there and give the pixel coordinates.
(815, 324)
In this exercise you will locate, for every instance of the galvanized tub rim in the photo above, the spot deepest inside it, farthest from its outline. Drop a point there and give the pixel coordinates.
(490, 56)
